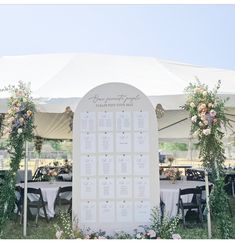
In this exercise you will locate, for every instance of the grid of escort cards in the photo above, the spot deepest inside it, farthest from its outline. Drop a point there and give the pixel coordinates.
(114, 167)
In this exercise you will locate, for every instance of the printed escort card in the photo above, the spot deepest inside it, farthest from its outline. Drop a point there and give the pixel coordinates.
(120, 175)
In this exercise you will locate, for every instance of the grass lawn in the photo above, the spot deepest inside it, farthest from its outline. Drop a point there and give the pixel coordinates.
(14, 230)
(201, 233)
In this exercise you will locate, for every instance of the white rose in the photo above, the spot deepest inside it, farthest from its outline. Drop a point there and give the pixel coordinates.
(20, 131)
(194, 119)
(16, 109)
(203, 105)
(192, 105)
(210, 105)
(204, 93)
(58, 234)
(200, 124)
(195, 134)
(10, 120)
(176, 236)
(138, 236)
(7, 131)
(206, 131)
(101, 237)
(152, 233)
(21, 120)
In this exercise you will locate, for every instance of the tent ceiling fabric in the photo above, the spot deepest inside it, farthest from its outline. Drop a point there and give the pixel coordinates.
(60, 80)
(85, 71)
(37, 69)
(52, 125)
(178, 125)
(209, 76)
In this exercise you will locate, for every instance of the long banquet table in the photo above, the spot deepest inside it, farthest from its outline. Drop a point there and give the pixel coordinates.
(49, 192)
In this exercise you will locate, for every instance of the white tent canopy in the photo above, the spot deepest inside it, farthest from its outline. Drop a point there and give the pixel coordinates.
(60, 80)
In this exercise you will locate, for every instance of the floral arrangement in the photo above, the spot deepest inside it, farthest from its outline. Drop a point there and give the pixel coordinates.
(52, 176)
(206, 109)
(173, 174)
(49, 173)
(53, 173)
(207, 113)
(20, 115)
(159, 229)
(68, 166)
(18, 127)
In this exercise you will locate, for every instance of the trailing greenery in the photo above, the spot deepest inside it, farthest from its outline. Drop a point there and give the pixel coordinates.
(2, 115)
(19, 128)
(207, 113)
(38, 141)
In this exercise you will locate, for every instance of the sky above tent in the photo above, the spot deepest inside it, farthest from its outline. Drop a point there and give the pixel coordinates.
(197, 34)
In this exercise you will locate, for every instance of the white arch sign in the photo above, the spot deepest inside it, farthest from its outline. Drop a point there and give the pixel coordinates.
(115, 159)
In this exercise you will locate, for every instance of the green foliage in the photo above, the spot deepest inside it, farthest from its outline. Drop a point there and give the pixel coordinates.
(207, 113)
(164, 227)
(7, 198)
(19, 128)
(55, 144)
(3, 144)
(223, 220)
(2, 115)
(64, 228)
(38, 141)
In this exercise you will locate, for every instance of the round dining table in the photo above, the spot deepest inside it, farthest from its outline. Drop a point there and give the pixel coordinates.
(49, 193)
(169, 193)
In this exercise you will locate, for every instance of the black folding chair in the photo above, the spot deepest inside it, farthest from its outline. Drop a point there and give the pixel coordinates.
(203, 199)
(37, 203)
(195, 175)
(19, 202)
(194, 204)
(61, 199)
(162, 207)
(229, 187)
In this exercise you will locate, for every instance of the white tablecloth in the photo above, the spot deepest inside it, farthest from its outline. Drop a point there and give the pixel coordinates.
(169, 194)
(49, 192)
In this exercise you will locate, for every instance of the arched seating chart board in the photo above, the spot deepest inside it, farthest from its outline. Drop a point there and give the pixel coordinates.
(115, 159)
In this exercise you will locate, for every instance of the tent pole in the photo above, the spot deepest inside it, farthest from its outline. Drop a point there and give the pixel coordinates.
(208, 205)
(25, 188)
